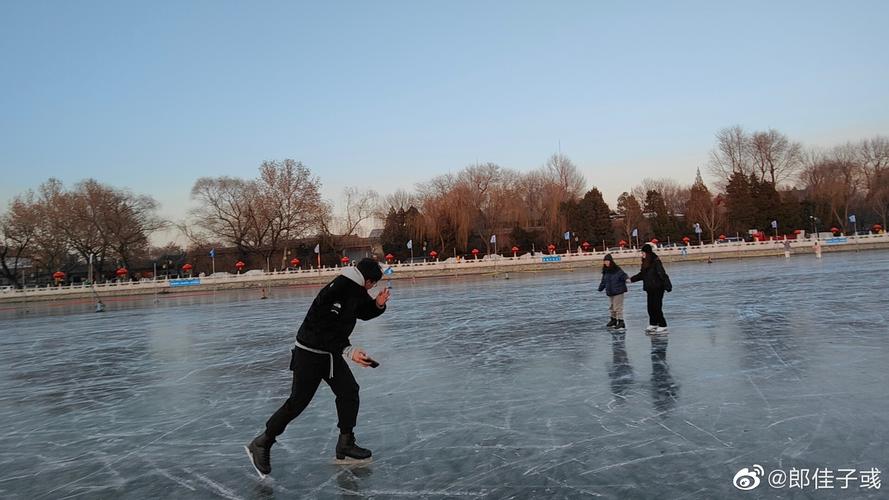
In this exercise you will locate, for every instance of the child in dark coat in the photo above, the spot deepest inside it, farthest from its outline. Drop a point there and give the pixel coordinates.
(614, 283)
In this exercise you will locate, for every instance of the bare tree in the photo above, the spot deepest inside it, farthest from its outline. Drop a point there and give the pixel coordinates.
(52, 249)
(531, 193)
(128, 222)
(567, 177)
(873, 156)
(360, 206)
(286, 206)
(443, 203)
(878, 195)
(400, 199)
(704, 208)
(562, 182)
(18, 230)
(731, 154)
(833, 180)
(774, 157)
(481, 183)
(675, 194)
(224, 209)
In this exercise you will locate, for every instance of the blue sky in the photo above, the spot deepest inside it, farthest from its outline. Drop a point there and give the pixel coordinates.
(152, 95)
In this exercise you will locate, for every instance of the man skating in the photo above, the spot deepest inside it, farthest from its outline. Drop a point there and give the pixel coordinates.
(322, 344)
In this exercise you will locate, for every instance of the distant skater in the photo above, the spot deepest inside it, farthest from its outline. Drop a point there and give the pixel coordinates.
(614, 283)
(322, 345)
(655, 282)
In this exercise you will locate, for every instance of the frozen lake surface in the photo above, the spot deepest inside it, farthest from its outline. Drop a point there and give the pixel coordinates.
(488, 388)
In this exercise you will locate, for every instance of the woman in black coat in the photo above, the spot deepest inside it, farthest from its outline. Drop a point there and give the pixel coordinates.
(655, 282)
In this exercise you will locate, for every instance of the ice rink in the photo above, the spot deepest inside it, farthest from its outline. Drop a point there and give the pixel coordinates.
(488, 388)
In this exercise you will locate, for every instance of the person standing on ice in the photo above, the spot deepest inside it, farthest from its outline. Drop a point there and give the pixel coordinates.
(322, 345)
(655, 282)
(614, 283)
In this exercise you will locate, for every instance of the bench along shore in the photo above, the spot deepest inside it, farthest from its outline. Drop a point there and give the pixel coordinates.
(490, 264)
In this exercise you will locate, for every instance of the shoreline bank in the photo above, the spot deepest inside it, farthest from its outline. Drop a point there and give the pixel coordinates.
(449, 267)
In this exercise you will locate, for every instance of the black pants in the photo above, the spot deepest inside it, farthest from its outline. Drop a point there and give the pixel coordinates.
(309, 369)
(656, 307)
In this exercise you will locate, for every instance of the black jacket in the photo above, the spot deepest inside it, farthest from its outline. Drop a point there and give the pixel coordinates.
(614, 282)
(654, 277)
(333, 314)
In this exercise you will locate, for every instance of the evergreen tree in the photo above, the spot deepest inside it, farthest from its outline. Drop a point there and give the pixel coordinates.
(740, 204)
(527, 240)
(395, 234)
(631, 214)
(702, 209)
(662, 226)
(767, 204)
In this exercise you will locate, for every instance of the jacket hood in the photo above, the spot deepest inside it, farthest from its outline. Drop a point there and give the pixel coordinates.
(354, 274)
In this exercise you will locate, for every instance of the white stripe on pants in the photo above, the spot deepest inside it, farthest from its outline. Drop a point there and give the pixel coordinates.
(616, 306)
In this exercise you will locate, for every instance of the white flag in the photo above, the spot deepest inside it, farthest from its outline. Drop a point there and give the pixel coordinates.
(636, 232)
(493, 238)
(410, 244)
(318, 248)
(852, 218)
(567, 235)
(774, 224)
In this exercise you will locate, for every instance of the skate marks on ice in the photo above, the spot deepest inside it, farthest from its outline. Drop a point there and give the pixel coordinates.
(488, 389)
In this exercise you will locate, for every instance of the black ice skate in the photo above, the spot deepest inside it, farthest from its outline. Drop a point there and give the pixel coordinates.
(620, 325)
(612, 323)
(349, 452)
(259, 451)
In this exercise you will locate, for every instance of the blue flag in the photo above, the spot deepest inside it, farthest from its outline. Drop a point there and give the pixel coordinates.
(852, 218)
(388, 271)
(212, 253)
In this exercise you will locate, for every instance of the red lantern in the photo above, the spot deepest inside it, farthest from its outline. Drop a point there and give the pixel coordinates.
(58, 276)
(686, 239)
(655, 241)
(622, 243)
(585, 245)
(722, 237)
(551, 248)
(433, 254)
(475, 253)
(515, 250)
(294, 262)
(187, 267)
(344, 260)
(121, 272)
(389, 257)
(797, 231)
(239, 265)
